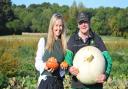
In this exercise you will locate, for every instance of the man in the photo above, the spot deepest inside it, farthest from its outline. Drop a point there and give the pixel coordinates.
(84, 36)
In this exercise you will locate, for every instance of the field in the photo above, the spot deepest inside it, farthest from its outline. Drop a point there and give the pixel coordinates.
(17, 69)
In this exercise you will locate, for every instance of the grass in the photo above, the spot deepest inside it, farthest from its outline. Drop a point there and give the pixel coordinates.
(17, 54)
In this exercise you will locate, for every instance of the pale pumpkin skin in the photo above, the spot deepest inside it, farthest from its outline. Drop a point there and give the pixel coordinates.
(90, 63)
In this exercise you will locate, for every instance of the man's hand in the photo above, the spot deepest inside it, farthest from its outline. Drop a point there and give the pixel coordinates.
(73, 70)
(101, 78)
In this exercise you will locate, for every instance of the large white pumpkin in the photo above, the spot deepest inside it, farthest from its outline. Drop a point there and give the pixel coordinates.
(90, 63)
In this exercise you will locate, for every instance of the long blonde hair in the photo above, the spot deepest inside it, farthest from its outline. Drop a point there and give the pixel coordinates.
(51, 38)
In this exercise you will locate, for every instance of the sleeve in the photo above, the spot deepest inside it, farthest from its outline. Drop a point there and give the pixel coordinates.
(68, 57)
(100, 44)
(108, 63)
(69, 52)
(39, 64)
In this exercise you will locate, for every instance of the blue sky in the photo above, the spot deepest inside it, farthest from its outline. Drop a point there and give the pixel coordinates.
(87, 3)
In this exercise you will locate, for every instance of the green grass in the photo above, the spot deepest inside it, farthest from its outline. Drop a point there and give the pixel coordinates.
(110, 38)
(17, 55)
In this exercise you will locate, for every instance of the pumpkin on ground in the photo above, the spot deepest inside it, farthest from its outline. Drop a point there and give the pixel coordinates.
(90, 63)
(52, 63)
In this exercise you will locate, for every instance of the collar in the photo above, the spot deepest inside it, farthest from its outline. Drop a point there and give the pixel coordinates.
(91, 35)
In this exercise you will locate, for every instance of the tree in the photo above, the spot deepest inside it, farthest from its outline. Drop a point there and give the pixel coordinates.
(73, 10)
(72, 25)
(44, 19)
(81, 7)
(15, 26)
(6, 14)
(99, 22)
(122, 19)
(118, 23)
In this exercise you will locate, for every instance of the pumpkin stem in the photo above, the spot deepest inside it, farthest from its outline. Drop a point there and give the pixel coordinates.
(90, 58)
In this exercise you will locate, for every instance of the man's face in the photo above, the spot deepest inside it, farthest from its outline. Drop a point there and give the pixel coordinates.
(84, 26)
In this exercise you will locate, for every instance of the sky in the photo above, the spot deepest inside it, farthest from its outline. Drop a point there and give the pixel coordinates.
(87, 3)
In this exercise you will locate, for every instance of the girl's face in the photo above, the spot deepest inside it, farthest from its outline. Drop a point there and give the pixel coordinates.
(57, 28)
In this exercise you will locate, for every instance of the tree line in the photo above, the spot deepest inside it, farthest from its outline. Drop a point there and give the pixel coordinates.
(15, 19)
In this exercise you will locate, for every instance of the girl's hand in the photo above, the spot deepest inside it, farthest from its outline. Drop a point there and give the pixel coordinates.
(73, 70)
(48, 69)
(101, 78)
(64, 65)
(45, 67)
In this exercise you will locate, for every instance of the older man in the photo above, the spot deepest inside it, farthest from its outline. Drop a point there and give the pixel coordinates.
(84, 36)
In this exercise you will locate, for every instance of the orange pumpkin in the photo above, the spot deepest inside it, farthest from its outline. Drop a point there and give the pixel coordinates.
(64, 64)
(52, 63)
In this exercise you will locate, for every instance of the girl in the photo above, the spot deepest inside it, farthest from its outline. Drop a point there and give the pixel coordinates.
(55, 47)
